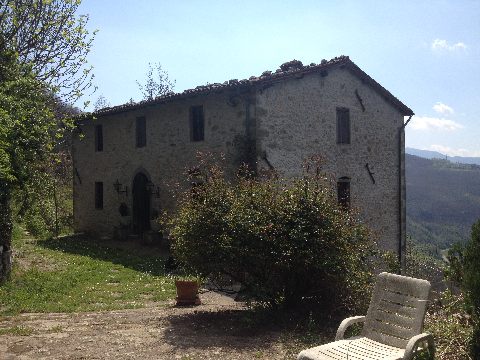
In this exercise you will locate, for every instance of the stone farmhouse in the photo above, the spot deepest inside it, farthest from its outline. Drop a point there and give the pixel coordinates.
(128, 154)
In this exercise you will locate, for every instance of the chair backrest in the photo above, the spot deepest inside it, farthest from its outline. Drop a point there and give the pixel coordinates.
(397, 309)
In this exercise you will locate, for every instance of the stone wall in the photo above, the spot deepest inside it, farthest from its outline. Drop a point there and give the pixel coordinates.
(279, 125)
(165, 158)
(297, 118)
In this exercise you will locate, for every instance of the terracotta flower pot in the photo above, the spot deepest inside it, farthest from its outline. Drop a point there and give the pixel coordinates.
(187, 292)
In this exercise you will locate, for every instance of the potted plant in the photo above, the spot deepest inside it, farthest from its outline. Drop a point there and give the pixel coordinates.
(187, 290)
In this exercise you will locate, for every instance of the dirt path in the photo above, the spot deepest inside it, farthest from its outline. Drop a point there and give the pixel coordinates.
(217, 329)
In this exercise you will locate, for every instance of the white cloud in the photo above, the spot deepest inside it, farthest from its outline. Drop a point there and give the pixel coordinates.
(443, 109)
(454, 152)
(430, 123)
(441, 45)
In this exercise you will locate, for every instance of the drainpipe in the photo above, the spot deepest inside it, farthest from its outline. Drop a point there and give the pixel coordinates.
(401, 209)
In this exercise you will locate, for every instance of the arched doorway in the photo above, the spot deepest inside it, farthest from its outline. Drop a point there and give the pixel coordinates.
(141, 204)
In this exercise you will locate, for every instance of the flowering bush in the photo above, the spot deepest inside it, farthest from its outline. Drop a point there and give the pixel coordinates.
(286, 242)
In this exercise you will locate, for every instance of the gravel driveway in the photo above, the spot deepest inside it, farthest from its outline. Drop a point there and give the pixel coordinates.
(217, 329)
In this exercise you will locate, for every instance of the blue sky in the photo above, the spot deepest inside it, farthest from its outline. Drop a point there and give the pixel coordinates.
(427, 53)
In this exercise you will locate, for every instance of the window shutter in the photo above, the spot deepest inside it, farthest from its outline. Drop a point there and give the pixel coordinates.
(343, 126)
(98, 195)
(98, 138)
(197, 123)
(343, 192)
(141, 132)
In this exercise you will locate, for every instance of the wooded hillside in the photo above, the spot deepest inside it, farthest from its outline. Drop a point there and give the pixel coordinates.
(443, 201)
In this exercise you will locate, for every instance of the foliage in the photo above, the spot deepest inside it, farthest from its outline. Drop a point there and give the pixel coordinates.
(471, 283)
(451, 327)
(78, 274)
(43, 45)
(156, 85)
(27, 124)
(464, 270)
(447, 318)
(455, 260)
(101, 103)
(45, 205)
(53, 39)
(286, 242)
(420, 264)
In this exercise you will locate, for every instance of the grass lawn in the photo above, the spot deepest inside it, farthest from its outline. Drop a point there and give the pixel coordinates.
(75, 273)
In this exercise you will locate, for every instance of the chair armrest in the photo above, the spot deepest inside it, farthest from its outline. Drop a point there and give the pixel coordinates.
(413, 343)
(345, 324)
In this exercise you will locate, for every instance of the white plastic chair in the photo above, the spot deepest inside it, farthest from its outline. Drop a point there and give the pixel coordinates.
(392, 328)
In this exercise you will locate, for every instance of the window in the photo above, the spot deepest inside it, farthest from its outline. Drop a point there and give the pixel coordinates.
(343, 126)
(98, 138)
(197, 123)
(98, 195)
(343, 191)
(141, 132)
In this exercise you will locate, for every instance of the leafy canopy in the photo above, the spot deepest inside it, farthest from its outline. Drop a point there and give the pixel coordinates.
(26, 120)
(157, 83)
(53, 39)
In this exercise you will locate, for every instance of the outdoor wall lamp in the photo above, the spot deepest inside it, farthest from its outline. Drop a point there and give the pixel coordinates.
(152, 189)
(118, 188)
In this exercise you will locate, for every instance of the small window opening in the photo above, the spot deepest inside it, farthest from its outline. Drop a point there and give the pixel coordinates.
(98, 195)
(343, 192)
(141, 132)
(197, 123)
(98, 138)
(343, 126)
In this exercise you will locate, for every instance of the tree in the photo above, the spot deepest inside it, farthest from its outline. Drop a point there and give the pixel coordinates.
(27, 123)
(101, 103)
(43, 49)
(471, 283)
(156, 87)
(53, 39)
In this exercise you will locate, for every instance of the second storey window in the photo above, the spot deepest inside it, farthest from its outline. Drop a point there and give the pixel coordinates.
(98, 195)
(141, 132)
(98, 138)
(197, 123)
(343, 126)
(343, 192)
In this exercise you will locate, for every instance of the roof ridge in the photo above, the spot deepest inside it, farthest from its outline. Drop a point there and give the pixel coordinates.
(286, 69)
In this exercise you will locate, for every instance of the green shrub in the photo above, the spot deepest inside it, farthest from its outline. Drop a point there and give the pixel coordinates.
(44, 206)
(419, 263)
(464, 270)
(450, 326)
(455, 259)
(286, 242)
(471, 282)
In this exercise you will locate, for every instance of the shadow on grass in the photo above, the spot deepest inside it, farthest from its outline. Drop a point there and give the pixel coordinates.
(129, 254)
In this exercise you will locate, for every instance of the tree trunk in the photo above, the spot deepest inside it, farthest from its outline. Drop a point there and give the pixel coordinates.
(56, 206)
(5, 233)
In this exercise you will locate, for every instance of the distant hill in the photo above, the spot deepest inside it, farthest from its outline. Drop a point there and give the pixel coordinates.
(443, 201)
(427, 154)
